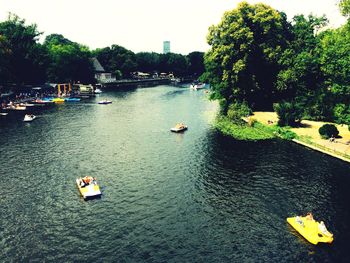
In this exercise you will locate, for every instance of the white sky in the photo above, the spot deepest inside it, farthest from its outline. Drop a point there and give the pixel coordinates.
(143, 25)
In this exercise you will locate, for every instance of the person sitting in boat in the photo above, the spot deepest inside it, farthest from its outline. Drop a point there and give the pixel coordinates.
(323, 229)
(87, 180)
(309, 216)
(82, 183)
(299, 221)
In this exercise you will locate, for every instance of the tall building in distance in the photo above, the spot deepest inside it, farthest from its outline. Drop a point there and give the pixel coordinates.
(166, 47)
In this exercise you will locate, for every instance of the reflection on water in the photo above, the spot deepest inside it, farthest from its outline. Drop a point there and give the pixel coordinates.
(196, 196)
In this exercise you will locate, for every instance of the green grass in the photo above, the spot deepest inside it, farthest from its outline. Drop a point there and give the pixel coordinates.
(241, 131)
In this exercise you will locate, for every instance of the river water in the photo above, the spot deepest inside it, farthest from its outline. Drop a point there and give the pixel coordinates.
(192, 197)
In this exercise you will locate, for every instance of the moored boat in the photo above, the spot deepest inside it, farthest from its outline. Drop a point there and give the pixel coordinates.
(179, 127)
(58, 100)
(97, 91)
(197, 86)
(14, 107)
(29, 117)
(313, 231)
(88, 187)
(42, 102)
(72, 99)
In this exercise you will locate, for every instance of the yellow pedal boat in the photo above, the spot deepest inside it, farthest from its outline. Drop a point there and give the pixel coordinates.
(88, 187)
(310, 229)
(58, 100)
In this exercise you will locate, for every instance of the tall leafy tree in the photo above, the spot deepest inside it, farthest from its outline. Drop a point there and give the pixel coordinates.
(5, 53)
(300, 77)
(335, 64)
(147, 61)
(24, 58)
(70, 61)
(175, 63)
(117, 58)
(246, 46)
(344, 7)
(196, 63)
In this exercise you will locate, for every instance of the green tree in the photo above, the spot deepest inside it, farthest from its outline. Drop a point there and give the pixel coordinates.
(335, 65)
(5, 53)
(175, 63)
(147, 61)
(344, 7)
(289, 113)
(196, 63)
(69, 61)
(117, 58)
(300, 77)
(246, 46)
(23, 58)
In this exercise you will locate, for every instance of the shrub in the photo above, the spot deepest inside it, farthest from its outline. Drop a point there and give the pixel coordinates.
(328, 130)
(238, 110)
(341, 113)
(289, 113)
(251, 122)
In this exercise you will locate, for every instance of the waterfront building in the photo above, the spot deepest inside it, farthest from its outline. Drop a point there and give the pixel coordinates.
(101, 75)
(166, 47)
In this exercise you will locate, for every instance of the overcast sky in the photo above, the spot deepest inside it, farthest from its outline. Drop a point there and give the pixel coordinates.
(143, 25)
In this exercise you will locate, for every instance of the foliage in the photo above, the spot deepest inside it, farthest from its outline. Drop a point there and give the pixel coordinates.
(196, 63)
(284, 133)
(328, 130)
(23, 59)
(300, 75)
(289, 113)
(246, 46)
(344, 7)
(342, 113)
(238, 110)
(175, 63)
(117, 58)
(147, 61)
(241, 131)
(69, 61)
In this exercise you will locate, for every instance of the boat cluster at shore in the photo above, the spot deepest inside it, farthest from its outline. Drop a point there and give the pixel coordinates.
(29, 103)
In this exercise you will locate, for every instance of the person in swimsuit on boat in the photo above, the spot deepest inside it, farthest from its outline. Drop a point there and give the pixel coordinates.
(309, 216)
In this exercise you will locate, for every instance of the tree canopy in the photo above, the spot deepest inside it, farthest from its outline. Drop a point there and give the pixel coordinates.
(23, 59)
(246, 46)
(69, 61)
(258, 57)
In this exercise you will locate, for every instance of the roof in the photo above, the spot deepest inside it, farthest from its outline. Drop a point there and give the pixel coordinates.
(97, 65)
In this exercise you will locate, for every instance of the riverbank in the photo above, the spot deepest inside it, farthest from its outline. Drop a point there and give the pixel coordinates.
(309, 136)
(251, 130)
(263, 126)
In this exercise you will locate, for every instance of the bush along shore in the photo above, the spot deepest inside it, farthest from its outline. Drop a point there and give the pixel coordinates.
(263, 126)
(251, 130)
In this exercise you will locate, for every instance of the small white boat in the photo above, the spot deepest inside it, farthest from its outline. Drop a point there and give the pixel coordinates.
(197, 86)
(29, 117)
(3, 113)
(104, 102)
(88, 187)
(98, 91)
(179, 127)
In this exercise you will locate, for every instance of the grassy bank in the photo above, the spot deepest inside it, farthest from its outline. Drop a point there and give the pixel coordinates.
(257, 131)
